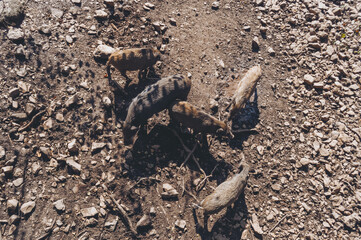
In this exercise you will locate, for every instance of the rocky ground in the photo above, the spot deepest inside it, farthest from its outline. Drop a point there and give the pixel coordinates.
(62, 156)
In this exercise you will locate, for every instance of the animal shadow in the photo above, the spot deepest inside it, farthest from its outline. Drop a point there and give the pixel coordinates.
(247, 118)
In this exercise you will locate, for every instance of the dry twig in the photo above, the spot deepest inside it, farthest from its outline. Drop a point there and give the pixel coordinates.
(277, 223)
(124, 215)
(26, 126)
(189, 155)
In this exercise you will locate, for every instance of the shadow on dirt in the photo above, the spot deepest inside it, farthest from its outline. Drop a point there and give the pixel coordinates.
(160, 146)
(247, 118)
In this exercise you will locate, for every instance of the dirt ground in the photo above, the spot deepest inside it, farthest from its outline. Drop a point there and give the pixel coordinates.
(51, 70)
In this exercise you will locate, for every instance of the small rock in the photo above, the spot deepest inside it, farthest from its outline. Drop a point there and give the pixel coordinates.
(181, 224)
(324, 152)
(19, 116)
(351, 220)
(7, 170)
(21, 72)
(144, 222)
(107, 102)
(215, 5)
(147, 6)
(35, 168)
(276, 187)
(59, 117)
(89, 212)
(153, 212)
(172, 21)
(76, 167)
(169, 191)
(14, 219)
(12, 11)
(304, 162)
(103, 51)
(213, 105)
(12, 205)
(24, 87)
(91, 222)
(69, 39)
(71, 101)
(255, 224)
(29, 108)
(59, 205)
(271, 52)
(17, 182)
(2, 152)
(260, 150)
(48, 124)
(45, 152)
(57, 13)
(100, 14)
(15, 34)
(45, 29)
(111, 224)
(78, 2)
(255, 44)
(309, 79)
(72, 146)
(27, 208)
(318, 85)
(97, 146)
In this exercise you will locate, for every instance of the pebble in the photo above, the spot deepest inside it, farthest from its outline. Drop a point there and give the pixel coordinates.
(12, 11)
(59, 117)
(309, 80)
(181, 224)
(17, 182)
(144, 222)
(103, 51)
(101, 14)
(24, 87)
(59, 205)
(147, 6)
(255, 44)
(271, 52)
(19, 116)
(27, 208)
(12, 205)
(97, 146)
(255, 224)
(29, 109)
(169, 191)
(56, 13)
(69, 39)
(351, 220)
(14, 219)
(71, 101)
(215, 5)
(2, 153)
(76, 167)
(276, 187)
(89, 212)
(48, 124)
(72, 146)
(15, 34)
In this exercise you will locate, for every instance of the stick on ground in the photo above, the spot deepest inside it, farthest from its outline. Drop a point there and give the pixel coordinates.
(124, 215)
